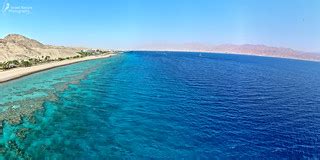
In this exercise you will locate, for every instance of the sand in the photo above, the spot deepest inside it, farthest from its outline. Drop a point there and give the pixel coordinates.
(16, 73)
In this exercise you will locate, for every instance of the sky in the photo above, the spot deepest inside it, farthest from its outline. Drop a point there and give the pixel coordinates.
(128, 24)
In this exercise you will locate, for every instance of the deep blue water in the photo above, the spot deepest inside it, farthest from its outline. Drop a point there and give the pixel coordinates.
(165, 105)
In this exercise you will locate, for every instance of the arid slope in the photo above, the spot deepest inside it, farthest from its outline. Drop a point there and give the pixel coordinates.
(18, 47)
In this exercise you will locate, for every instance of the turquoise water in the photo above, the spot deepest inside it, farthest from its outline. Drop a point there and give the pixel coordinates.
(162, 105)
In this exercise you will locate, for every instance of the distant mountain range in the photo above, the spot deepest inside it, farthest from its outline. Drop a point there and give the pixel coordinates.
(18, 47)
(246, 49)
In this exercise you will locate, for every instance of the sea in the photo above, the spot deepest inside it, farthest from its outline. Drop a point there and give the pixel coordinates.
(165, 105)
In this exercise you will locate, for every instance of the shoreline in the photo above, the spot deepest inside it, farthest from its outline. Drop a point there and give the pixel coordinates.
(16, 73)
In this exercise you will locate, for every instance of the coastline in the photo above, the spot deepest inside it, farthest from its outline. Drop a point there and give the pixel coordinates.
(17, 73)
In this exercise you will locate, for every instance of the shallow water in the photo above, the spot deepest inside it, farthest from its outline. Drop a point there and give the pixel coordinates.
(142, 105)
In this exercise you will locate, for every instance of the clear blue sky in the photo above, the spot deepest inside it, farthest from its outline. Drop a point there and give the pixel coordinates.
(129, 23)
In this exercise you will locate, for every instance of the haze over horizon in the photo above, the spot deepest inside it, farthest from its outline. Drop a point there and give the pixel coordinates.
(125, 24)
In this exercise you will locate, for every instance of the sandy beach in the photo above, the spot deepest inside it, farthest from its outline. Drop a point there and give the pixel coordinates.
(16, 73)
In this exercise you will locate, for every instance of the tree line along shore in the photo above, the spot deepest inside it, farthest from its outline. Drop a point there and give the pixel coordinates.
(46, 59)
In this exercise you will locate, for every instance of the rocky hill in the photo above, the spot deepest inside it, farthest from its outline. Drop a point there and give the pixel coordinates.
(18, 47)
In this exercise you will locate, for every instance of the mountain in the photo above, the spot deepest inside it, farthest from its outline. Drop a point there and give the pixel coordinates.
(18, 47)
(19, 39)
(263, 50)
(246, 49)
